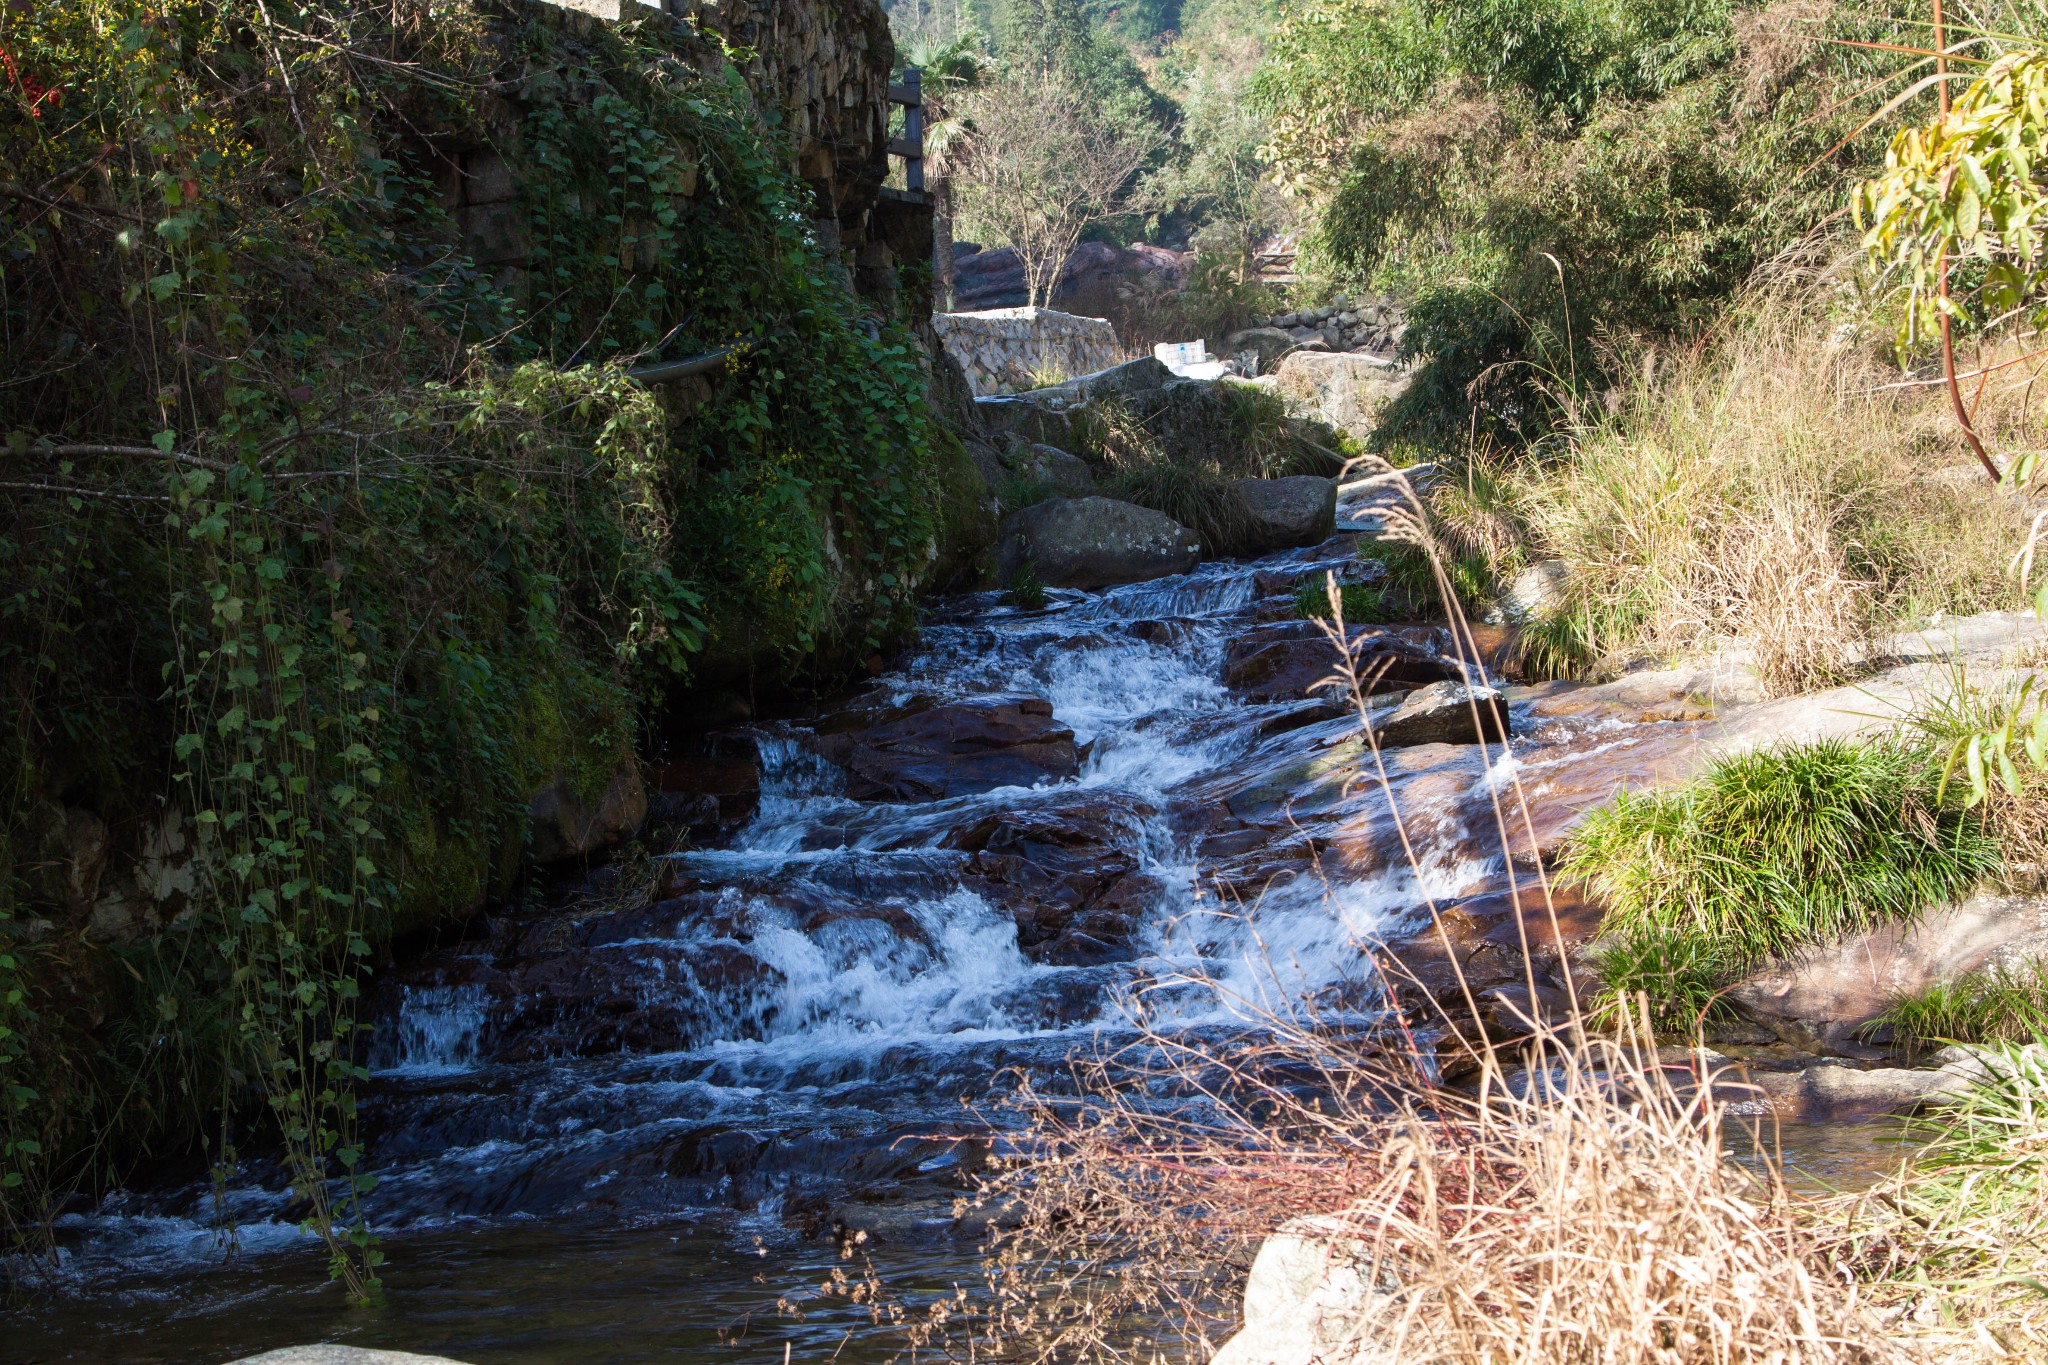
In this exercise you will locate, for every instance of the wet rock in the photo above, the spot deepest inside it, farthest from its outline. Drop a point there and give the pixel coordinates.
(1445, 713)
(1493, 941)
(1069, 873)
(568, 824)
(1284, 660)
(1095, 543)
(1517, 1009)
(1827, 997)
(711, 789)
(1833, 1092)
(931, 751)
(1301, 510)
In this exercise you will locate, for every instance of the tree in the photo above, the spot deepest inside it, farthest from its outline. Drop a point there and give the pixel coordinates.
(1220, 179)
(1044, 161)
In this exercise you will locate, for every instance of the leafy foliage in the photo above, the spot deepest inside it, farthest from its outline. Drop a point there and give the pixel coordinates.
(1964, 188)
(1543, 179)
(325, 548)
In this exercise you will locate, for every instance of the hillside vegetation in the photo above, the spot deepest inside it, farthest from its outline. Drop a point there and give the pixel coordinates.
(326, 548)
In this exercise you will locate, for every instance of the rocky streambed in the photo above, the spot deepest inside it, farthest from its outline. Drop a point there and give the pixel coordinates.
(626, 1119)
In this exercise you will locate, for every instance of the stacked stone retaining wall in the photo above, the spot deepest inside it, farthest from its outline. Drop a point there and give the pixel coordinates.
(1009, 350)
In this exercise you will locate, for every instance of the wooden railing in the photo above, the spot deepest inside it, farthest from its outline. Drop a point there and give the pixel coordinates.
(910, 94)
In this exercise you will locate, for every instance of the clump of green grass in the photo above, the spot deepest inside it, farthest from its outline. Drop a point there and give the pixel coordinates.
(1775, 850)
(1046, 376)
(1024, 490)
(1364, 604)
(2006, 1004)
(1024, 588)
(1197, 498)
(1680, 975)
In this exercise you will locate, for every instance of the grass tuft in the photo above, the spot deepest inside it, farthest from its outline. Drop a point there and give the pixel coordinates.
(1772, 851)
(1024, 588)
(1364, 604)
(1680, 976)
(2005, 1004)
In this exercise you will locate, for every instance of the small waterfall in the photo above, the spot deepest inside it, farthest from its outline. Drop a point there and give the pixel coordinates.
(438, 1031)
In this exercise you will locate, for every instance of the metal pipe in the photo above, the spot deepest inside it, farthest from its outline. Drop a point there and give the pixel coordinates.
(682, 369)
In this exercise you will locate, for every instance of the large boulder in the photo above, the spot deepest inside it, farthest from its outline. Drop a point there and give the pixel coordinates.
(929, 750)
(1308, 1298)
(1346, 390)
(1095, 543)
(1301, 510)
(571, 823)
(1069, 475)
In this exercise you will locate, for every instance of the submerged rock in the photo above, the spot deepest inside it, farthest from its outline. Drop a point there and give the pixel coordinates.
(928, 752)
(1095, 543)
(1069, 873)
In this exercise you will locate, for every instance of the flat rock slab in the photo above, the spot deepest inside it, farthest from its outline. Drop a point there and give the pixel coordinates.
(329, 1354)
(1825, 996)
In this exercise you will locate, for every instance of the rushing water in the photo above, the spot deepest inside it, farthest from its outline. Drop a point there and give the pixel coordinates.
(611, 1130)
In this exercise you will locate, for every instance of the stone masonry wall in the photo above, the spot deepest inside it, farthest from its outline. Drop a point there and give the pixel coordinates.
(1008, 350)
(819, 68)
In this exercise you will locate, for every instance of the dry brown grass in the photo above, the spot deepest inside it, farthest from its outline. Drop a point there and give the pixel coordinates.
(1786, 488)
(1569, 1202)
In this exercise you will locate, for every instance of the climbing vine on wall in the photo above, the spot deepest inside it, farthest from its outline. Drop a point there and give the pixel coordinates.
(326, 548)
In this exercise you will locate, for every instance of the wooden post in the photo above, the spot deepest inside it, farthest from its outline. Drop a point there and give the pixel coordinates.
(910, 146)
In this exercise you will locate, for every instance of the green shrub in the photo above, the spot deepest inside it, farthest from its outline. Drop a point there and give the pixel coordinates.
(1772, 851)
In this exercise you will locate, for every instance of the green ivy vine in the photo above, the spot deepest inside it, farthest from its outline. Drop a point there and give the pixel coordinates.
(326, 547)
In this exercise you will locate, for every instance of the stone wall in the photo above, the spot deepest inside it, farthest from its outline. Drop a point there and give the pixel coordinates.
(1008, 350)
(819, 69)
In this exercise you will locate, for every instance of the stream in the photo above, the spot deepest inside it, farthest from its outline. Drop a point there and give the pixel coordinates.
(616, 1127)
